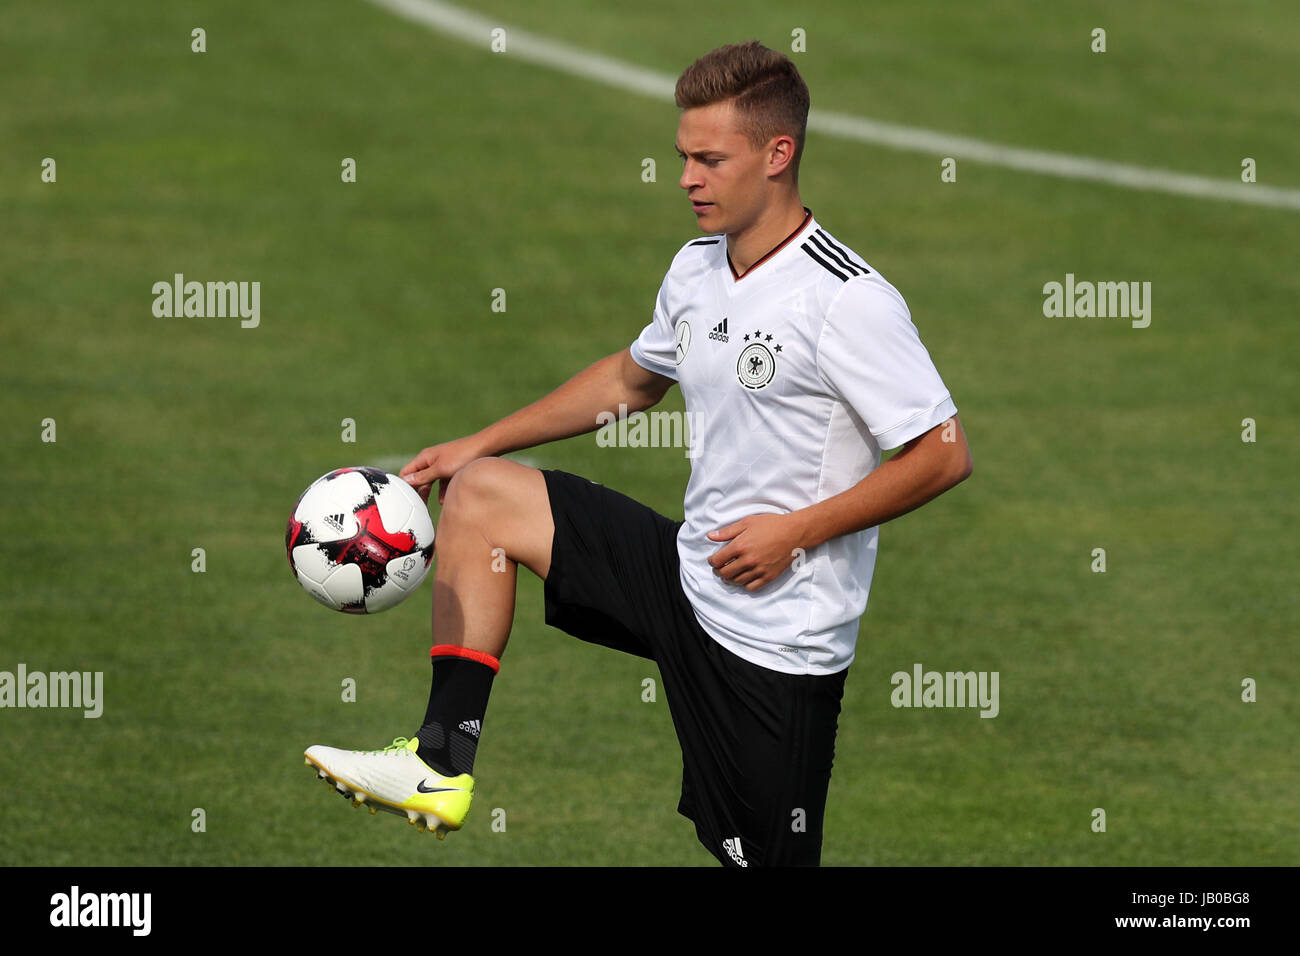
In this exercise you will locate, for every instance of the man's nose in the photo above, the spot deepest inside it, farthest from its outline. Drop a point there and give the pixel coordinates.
(690, 176)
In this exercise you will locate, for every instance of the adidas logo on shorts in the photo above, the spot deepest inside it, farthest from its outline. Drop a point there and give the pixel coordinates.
(471, 727)
(719, 332)
(732, 847)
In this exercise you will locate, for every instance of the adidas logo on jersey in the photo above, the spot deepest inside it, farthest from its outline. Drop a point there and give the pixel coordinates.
(719, 332)
(471, 727)
(335, 522)
(732, 847)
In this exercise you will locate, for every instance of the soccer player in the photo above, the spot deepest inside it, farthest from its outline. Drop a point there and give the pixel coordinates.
(799, 364)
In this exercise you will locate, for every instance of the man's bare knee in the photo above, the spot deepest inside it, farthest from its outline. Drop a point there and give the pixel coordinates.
(507, 503)
(481, 489)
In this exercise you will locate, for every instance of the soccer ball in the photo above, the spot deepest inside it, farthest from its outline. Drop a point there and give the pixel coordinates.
(359, 540)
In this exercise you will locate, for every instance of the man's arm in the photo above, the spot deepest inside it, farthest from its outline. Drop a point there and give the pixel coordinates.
(762, 546)
(571, 409)
(921, 470)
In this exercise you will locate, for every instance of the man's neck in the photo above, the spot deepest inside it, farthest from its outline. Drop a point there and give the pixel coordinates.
(746, 248)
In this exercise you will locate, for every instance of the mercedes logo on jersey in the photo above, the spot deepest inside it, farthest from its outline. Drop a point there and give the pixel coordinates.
(683, 340)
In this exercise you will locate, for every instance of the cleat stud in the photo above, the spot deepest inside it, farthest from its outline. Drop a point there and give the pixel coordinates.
(356, 802)
(442, 834)
(372, 810)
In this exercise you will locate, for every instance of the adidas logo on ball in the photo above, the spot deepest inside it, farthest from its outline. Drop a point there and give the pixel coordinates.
(359, 540)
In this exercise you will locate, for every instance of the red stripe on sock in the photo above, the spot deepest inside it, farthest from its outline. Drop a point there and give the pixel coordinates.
(454, 650)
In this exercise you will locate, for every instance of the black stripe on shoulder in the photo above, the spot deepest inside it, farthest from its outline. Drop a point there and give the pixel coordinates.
(823, 263)
(842, 252)
(704, 242)
(835, 257)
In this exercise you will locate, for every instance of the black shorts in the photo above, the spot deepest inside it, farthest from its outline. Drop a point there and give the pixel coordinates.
(757, 744)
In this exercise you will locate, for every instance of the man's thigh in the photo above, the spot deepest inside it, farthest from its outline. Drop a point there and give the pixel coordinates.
(613, 575)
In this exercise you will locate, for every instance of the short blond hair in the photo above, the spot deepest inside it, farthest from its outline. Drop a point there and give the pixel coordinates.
(764, 86)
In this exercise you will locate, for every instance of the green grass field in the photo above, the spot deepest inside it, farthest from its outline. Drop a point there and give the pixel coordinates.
(477, 171)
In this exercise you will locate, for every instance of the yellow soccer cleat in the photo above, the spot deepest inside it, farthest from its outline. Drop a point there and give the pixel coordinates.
(395, 779)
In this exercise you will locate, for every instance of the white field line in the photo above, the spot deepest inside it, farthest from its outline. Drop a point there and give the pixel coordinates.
(476, 30)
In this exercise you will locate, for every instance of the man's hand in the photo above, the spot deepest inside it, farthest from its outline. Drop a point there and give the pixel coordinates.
(572, 409)
(439, 462)
(761, 547)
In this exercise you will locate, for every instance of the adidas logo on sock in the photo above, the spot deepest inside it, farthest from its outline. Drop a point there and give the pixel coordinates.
(719, 332)
(732, 847)
(471, 727)
(335, 522)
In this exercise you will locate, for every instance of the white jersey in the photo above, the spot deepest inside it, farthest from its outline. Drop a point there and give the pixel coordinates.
(795, 377)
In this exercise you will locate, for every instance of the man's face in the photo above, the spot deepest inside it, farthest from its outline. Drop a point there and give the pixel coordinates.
(724, 177)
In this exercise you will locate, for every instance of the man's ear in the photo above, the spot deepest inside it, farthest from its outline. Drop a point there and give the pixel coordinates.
(780, 154)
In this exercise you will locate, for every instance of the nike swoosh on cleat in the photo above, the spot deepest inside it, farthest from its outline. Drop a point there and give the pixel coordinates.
(423, 789)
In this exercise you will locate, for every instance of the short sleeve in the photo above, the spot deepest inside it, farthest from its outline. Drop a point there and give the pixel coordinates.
(870, 355)
(656, 347)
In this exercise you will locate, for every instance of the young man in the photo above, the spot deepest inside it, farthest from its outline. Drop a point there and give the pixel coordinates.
(800, 365)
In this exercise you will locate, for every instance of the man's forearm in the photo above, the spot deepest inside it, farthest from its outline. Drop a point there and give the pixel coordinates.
(912, 477)
(571, 409)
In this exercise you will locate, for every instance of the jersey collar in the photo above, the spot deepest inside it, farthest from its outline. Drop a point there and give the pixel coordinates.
(808, 218)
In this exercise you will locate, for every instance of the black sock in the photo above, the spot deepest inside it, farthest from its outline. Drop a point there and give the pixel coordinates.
(462, 681)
